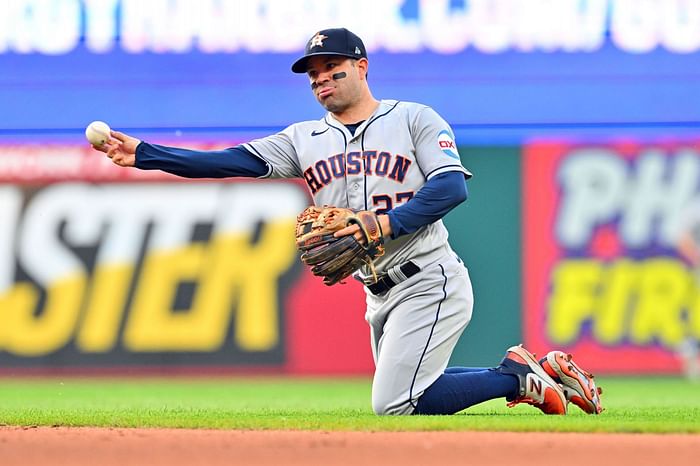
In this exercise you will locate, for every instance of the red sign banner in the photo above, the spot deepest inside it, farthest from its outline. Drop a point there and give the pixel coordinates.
(602, 274)
(107, 267)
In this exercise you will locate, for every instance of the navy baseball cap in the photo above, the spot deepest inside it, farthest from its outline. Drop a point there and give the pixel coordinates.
(337, 41)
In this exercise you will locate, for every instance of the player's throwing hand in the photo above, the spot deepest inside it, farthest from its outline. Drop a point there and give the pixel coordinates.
(121, 148)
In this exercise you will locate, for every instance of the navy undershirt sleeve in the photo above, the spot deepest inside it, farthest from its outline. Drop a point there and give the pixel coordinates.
(234, 161)
(438, 196)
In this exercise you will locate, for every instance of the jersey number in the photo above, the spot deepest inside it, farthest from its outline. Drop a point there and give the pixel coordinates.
(387, 203)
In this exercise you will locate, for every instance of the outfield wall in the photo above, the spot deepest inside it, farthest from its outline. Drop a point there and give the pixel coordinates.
(568, 245)
(105, 267)
(576, 244)
(579, 119)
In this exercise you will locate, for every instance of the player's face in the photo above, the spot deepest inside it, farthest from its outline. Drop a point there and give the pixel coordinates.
(335, 94)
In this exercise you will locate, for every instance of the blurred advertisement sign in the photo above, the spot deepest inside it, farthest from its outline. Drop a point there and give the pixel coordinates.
(139, 269)
(602, 274)
(57, 27)
(148, 267)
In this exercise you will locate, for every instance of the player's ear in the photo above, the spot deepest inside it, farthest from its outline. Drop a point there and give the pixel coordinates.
(363, 66)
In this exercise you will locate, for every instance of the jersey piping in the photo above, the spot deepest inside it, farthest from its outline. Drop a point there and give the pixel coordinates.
(345, 150)
(362, 145)
(449, 168)
(255, 153)
(430, 336)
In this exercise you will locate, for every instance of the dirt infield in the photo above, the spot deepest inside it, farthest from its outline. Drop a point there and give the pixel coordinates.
(92, 446)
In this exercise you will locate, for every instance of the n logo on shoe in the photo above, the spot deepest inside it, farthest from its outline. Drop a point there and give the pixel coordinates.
(535, 389)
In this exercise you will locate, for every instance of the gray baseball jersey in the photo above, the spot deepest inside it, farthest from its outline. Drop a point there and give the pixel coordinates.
(388, 159)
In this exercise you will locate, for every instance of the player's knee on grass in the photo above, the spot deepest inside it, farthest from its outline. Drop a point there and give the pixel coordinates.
(390, 405)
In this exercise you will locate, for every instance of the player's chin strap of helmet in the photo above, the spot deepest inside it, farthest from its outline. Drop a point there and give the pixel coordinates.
(392, 277)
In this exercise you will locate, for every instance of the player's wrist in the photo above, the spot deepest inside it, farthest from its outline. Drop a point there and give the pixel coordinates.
(385, 223)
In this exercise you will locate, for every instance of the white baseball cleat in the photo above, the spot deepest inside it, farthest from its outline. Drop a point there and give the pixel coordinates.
(537, 388)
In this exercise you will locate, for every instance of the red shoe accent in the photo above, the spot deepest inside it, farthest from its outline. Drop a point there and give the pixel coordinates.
(536, 387)
(578, 385)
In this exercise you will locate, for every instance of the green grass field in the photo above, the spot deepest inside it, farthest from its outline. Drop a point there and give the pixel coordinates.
(632, 405)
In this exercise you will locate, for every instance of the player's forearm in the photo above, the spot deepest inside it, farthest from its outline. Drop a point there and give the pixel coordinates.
(433, 201)
(232, 162)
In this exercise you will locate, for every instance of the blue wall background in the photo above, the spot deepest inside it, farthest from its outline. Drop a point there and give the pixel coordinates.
(489, 98)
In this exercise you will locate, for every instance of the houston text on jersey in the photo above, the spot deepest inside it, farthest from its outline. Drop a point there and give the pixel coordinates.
(369, 162)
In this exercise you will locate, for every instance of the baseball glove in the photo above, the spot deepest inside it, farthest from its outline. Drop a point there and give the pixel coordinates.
(336, 258)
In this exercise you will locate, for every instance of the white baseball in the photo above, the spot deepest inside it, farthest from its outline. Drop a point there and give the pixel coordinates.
(97, 133)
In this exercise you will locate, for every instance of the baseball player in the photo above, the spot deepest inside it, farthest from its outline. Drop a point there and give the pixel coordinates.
(399, 160)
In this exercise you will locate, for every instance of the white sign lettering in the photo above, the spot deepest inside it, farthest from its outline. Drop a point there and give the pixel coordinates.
(262, 26)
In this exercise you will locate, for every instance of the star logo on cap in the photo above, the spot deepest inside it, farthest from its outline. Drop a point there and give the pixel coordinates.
(317, 40)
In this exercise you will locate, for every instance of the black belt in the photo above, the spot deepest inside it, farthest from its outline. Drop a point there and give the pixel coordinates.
(385, 283)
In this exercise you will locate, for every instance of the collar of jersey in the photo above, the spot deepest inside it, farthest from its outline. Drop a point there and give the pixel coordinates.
(332, 121)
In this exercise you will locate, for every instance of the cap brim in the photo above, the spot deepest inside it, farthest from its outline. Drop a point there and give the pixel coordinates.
(299, 66)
